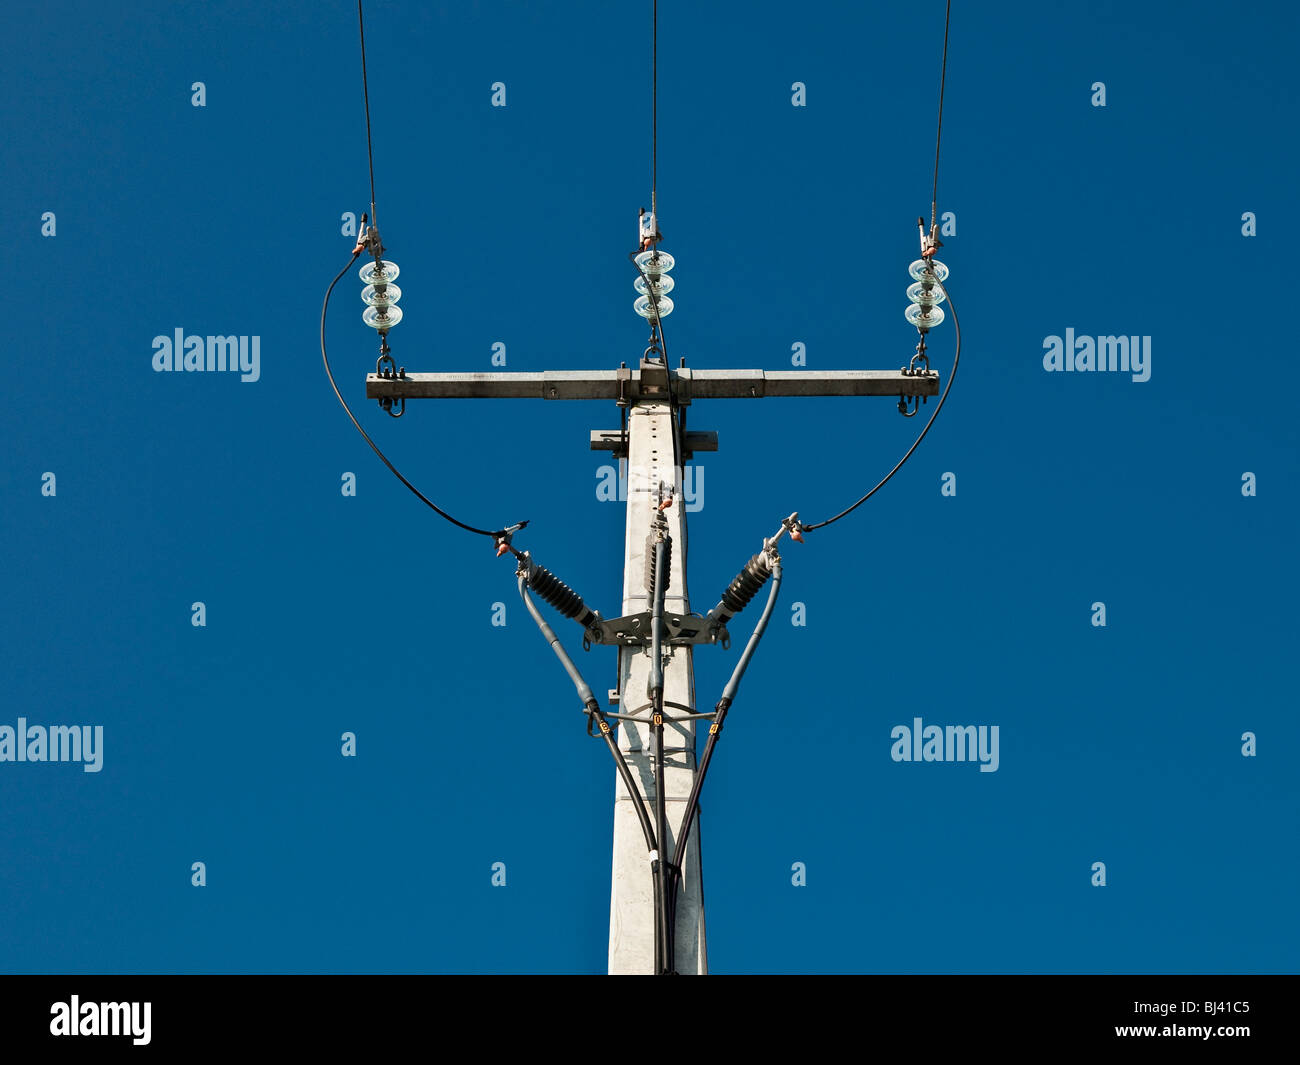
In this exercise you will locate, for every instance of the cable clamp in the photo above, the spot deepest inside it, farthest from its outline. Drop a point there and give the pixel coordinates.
(363, 237)
(372, 242)
(770, 555)
(599, 718)
(795, 528)
(930, 242)
(526, 568)
(503, 543)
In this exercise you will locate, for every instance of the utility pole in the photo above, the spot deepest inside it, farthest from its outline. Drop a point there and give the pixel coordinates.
(656, 902)
(656, 446)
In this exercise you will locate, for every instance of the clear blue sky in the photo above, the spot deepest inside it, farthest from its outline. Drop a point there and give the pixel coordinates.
(327, 614)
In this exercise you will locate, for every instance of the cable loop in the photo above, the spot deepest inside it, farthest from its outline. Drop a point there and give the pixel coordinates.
(324, 355)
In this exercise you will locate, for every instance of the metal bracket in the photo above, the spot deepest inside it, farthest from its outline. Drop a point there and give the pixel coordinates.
(613, 440)
(910, 406)
(683, 378)
(654, 379)
(633, 630)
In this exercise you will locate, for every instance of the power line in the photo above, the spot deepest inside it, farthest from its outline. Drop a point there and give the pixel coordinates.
(654, 112)
(365, 88)
(375, 447)
(938, 133)
(370, 156)
(951, 377)
(934, 203)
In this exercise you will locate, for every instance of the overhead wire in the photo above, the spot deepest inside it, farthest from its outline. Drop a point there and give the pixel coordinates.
(938, 133)
(956, 359)
(592, 707)
(719, 716)
(934, 201)
(494, 533)
(365, 88)
(366, 436)
(654, 111)
(657, 334)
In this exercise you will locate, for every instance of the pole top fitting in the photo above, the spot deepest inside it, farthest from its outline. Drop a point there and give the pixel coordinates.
(502, 540)
(363, 237)
(368, 239)
(790, 525)
(930, 242)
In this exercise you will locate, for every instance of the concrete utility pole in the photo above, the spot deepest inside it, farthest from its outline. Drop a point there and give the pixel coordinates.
(654, 397)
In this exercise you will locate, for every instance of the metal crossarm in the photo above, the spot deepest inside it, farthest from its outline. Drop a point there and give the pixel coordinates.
(689, 384)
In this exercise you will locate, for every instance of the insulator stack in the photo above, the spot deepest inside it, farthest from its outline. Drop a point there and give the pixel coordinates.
(925, 312)
(650, 563)
(560, 595)
(656, 265)
(380, 295)
(744, 587)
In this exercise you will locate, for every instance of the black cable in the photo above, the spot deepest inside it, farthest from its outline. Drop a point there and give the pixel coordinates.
(720, 716)
(665, 932)
(593, 708)
(663, 881)
(375, 447)
(365, 88)
(654, 112)
(665, 941)
(629, 782)
(934, 204)
(943, 74)
(951, 377)
(680, 457)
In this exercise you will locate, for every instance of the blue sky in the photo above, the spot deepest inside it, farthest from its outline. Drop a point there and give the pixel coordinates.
(790, 224)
